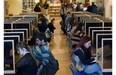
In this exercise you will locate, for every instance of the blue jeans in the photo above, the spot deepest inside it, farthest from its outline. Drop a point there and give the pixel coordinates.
(93, 69)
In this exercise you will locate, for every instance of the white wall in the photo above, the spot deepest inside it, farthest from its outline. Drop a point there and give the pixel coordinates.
(15, 7)
(83, 1)
(70, 1)
(6, 8)
(36, 1)
(95, 1)
(108, 9)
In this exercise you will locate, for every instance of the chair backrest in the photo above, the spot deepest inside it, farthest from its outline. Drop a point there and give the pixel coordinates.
(77, 62)
(74, 62)
(76, 72)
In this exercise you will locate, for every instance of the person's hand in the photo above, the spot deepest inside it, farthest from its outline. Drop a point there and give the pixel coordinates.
(37, 62)
(29, 48)
(43, 42)
(94, 60)
(11, 52)
(78, 31)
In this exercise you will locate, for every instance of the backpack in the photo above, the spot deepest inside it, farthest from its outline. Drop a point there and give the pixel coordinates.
(37, 9)
(48, 33)
(77, 62)
(46, 6)
(52, 67)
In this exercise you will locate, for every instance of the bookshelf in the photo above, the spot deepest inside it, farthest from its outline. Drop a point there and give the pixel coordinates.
(28, 5)
(54, 9)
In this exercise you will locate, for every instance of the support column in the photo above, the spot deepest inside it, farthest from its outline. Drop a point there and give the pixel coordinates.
(40, 1)
(70, 1)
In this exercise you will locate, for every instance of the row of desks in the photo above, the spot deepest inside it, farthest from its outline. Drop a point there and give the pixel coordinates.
(99, 29)
(17, 28)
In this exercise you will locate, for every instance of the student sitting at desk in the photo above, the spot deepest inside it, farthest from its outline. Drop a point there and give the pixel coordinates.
(37, 8)
(40, 51)
(75, 27)
(83, 51)
(26, 65)
(51, 25)
(72, 25)
(42, 55)
(42, 26)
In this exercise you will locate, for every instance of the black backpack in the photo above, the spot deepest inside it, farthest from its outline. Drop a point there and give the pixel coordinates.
(52, 67)
(37, 9)
(46, 6)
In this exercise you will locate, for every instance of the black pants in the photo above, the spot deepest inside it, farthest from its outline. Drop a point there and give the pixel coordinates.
(63, 17)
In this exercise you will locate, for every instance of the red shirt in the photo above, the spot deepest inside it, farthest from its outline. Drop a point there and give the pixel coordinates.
(87, 4)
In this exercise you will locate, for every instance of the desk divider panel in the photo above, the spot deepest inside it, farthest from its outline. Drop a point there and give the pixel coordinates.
(79, 16)
(91, 23)
(21, 34)
(37, 14)
(104, 55)
(16, 39)
(20, 24)
(99, 39)
(19, 30)
(25, 16)
(9, 61)
(105, 21)
(97, 28)
(8, 22)
(23, 25)
(107, 56)
(31, 13)
(95, 32)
